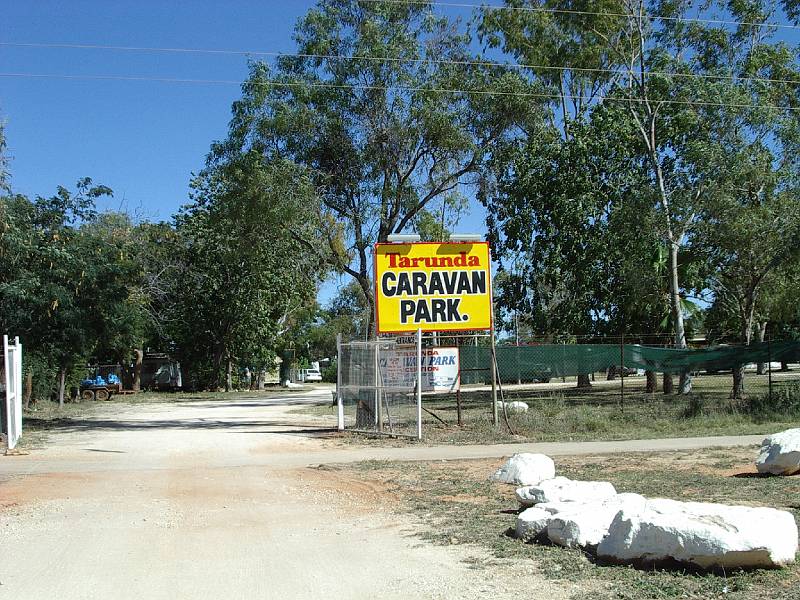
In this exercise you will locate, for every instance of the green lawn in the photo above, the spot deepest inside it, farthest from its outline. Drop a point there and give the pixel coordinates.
(458, 505)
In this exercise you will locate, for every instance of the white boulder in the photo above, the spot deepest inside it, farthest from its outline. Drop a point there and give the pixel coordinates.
(532, 523)
(706, 535)
(780, 453)
(525, 469)
(516, 406)
(563, 489)
(586, 524)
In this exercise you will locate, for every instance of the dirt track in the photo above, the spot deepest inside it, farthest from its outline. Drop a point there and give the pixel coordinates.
(209, 500)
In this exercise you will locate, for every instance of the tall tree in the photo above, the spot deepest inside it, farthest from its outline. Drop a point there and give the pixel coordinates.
(243, 273)
(381, 127)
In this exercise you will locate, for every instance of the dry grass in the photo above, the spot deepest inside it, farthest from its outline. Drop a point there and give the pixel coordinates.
(460, 506)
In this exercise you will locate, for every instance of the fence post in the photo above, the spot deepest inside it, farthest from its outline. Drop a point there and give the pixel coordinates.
(769, 366)
(622, 373)
(419, 384)
(494, 377)
(339, 405)
(378, 413)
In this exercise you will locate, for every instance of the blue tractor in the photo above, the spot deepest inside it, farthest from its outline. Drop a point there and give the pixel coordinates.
(99, 387)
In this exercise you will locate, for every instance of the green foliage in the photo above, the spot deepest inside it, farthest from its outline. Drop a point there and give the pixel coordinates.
(649, 179)
(388, 151)
(243, 273)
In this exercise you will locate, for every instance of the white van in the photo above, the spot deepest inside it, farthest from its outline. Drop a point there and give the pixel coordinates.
(310, 375)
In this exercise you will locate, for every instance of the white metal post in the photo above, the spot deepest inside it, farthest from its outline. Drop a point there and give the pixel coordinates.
(12, 361)
(339, 405)
(378, 424)
(18, 391)
(419, 384)
(7, 376)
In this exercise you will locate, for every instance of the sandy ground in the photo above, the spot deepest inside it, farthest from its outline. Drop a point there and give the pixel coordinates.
(214, 500)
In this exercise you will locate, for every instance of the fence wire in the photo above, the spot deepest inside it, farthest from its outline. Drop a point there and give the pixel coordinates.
(375, 398)
(579, 391)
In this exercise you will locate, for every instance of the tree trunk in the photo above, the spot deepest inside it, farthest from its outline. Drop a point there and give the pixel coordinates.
(784, 366)
(652, 382)
(62, 382)
(228, 375)
(26, 395)
(137, 370)
(761, 368)
(677, 313)
(666, 383)
(611, 374)
(262, 378)
(584, 381)
(737, 391)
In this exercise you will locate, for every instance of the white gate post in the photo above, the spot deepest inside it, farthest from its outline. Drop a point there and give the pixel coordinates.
(12, 360)
(18, 356)
(419, 384)
(339, 405)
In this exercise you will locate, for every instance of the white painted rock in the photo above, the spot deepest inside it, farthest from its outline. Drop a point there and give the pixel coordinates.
(706, 535)
(525, 469)
(531, 523)
(563, 489)
(587, 524)
(780, 453)
(516, 407)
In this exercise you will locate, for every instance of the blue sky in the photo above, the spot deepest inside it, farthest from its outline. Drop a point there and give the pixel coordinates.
(141, 138)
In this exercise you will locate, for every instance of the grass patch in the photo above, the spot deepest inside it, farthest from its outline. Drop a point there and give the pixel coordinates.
(604, 412)
(460, 506)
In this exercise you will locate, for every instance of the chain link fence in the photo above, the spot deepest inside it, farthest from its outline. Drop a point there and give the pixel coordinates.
(376, 388)
(587, 391)
(572, 391)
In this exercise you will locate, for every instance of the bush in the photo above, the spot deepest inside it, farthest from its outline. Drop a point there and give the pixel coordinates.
(329, 373)
(785, 400)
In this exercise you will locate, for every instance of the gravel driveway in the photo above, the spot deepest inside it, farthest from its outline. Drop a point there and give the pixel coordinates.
(211, 499)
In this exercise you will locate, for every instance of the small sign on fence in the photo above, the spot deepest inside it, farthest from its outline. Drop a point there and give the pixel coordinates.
(433, 287)
(440, 368)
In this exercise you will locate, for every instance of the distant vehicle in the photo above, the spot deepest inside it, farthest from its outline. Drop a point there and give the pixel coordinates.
(99, 387)
(310, 375)
(160, 372)
(624, 371)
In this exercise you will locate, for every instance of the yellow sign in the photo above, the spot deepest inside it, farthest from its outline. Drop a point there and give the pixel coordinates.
(433, 287)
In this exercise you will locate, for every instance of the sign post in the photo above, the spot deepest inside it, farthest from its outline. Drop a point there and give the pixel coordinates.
(419, 384)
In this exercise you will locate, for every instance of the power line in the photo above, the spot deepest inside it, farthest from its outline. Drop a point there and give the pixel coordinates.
(536, 9)
(367, 87)
(732, 78)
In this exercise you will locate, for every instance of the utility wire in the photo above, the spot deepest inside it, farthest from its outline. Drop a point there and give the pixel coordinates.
(393, 59)
(536, 9)
(274, 83)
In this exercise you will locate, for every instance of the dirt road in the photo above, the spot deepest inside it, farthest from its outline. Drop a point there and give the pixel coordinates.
(209, 500)
(220, 499)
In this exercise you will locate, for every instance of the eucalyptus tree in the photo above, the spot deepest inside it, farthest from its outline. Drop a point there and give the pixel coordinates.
(389, 111)
(683, 82)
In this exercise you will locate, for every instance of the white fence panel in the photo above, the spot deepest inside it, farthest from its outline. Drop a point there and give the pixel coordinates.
(12, 358)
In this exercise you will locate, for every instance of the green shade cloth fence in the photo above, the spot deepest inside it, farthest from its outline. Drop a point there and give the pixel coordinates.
(539, 363)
